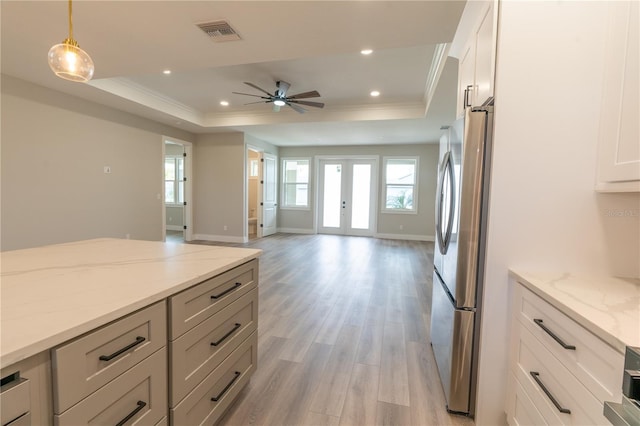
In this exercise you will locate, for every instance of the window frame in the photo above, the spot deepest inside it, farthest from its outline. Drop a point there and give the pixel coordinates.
(176, 182)
(385, 185)
(284, 183)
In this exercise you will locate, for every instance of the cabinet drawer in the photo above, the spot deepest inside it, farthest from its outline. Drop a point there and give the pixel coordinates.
(15, 400)
(24, 420)
(596, 364)
(194, 305)
(520, 408)
(223, 384)
(139, 396)
(537, 369)
(194, 354)
(89, 362)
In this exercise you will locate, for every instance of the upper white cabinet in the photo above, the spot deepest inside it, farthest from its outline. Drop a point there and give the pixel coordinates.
(619, 135)
(475, 47)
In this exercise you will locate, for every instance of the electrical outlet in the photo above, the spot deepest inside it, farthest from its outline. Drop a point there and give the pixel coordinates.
(401, 227)
(107, 169)
(224, 227)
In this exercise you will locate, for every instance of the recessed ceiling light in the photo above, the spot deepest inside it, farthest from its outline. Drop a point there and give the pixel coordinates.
(375, 93)
(166, 72)
(366, 51)
(224, 103)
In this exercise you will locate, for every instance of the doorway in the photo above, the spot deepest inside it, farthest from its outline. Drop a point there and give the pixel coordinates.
(262, 193)
(347, 196)
(177, 213)
(254, 195)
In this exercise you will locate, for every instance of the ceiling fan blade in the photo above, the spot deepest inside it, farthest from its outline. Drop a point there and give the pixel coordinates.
(312, 94)
(308, 103)
(297, 108)
(259, 102)
(256, 87)
(249, 94)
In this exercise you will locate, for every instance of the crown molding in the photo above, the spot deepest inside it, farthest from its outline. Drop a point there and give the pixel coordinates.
(435, 71)
(137, 93)
(386, 111)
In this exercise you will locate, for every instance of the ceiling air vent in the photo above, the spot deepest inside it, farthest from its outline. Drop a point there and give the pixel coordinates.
(219, 31)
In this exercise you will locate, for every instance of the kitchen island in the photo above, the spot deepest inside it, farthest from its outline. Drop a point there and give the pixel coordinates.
(82, 302)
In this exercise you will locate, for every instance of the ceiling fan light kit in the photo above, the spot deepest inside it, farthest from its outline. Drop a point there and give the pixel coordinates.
(68, 61)
(280, 98)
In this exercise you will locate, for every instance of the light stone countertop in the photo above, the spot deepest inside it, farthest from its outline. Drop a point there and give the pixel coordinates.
(51, 294)
(608, 307)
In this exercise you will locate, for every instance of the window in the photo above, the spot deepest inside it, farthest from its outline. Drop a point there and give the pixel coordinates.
(295, 182)
(174, 179)
(401, 185)
(254, 168)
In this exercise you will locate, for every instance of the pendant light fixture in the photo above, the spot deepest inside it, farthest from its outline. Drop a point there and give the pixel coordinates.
(68, 61)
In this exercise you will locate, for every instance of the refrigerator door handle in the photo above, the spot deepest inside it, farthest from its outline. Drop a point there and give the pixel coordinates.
(446, 173)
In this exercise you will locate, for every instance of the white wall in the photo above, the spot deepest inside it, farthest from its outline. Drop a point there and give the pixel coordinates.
(544, 213)
(54, 148)
(420, 226)
(218, 177)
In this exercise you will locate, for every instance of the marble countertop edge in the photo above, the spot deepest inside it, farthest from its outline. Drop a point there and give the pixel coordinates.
(17, 344)
(576, 308)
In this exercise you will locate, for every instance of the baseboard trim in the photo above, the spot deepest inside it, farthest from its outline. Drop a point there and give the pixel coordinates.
(218, 238)
(174, 228)
(408, 237)
(296, 230)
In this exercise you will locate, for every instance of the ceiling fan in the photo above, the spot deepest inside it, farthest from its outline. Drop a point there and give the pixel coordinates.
(280, 98)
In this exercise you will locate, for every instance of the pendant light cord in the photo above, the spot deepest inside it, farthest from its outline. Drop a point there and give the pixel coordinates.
(70, 21)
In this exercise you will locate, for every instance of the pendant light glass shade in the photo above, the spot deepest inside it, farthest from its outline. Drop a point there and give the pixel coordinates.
(68, 61)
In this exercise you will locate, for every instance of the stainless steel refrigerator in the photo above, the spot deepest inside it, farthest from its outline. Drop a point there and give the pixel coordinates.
(461, 218)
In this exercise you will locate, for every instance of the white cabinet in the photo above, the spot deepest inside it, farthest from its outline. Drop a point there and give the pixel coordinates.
(475, 47)
(619, 135)
(25, 394)
(560, 373)
(116, 372)
(213, 344)
(192, 352)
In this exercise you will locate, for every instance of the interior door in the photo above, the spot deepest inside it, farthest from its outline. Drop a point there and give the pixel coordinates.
(346, 204)
(269, 195)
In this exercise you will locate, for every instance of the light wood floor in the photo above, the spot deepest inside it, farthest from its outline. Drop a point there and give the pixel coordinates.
(343, 335)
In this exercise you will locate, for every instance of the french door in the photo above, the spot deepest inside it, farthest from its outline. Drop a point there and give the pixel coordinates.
(346, 196)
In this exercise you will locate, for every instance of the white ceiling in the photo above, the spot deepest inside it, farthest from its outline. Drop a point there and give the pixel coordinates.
(314, 45)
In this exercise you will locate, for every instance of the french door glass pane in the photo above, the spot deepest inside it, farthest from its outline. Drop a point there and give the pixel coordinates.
(332, 195)
(360, 201)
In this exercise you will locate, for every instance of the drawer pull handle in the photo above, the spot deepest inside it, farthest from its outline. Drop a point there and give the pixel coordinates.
(226, 388)
(141, 405)
(535, 375)
(139, 340)
(222, 339)
(553, 335)
(229, 290)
